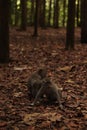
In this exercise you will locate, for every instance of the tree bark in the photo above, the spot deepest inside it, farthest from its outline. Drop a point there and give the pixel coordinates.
(64, 12)
(56, 13)
(70, 25)
(36, 19)
(84, 21)
(23, 15)
(49, 13)
(4, 31)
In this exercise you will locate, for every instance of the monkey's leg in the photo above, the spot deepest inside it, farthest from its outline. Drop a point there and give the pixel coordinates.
(59, 100)
(38, 95)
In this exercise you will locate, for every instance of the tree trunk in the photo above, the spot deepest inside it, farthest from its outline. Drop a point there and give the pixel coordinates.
(32, 13)
(16, 13)
(56, 13)
(23, 15)
(43, 14)
(78, 13)
(84, 21)
(4, 30)
(70, 25)
(36, 19)
(64, 12)
(49, 13)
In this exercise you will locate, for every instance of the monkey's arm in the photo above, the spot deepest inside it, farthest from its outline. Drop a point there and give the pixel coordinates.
(38, 95)
(59, 101)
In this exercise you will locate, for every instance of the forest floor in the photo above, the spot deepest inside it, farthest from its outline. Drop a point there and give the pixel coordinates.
(68, 69)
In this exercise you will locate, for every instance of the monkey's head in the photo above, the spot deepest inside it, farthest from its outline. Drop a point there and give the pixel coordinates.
(42, 72)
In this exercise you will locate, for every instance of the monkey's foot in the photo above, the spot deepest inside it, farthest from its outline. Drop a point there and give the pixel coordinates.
(61, 107)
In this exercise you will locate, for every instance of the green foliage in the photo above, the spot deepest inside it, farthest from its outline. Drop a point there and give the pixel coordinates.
(16, 12)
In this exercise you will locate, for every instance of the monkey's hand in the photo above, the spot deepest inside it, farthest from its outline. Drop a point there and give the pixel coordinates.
(45, 81)
(61, 106)
(32, 104)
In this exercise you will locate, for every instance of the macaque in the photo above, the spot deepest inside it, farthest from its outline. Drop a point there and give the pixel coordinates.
(39, 85)
(51, 91)
(35, 81)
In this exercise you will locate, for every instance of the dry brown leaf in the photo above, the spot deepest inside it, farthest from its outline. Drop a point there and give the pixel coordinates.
(30, 118)
(3, 123)
(15, 128)
(51, 116)
(20, 68)
(18, 94)
(69, 81)
(66, 68)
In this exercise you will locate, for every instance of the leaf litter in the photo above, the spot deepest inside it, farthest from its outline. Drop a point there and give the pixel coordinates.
(67, 68)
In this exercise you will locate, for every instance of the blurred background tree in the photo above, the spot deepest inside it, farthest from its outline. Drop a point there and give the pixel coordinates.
(67, 14)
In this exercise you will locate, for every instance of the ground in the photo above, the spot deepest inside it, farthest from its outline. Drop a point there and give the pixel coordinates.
(68, 69)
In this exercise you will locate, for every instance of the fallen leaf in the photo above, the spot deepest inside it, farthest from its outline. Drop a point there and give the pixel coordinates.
(3, 123)
(30, 118)
(20, 68)
(69, 81)
(66, 68)
(18, 94)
